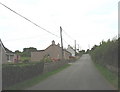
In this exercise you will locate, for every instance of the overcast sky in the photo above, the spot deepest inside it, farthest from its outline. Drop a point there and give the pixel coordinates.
(86, 21)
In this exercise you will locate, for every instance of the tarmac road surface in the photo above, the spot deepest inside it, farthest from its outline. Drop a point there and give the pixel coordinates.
(81, 75)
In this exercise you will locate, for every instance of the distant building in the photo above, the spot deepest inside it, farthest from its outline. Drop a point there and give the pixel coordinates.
(71, 50)
(6, 55)
(53, 51)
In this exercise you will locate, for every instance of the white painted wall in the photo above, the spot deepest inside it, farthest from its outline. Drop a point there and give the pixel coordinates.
(69, 49)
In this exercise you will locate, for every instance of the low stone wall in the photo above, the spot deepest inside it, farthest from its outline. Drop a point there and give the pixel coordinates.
(48, 67)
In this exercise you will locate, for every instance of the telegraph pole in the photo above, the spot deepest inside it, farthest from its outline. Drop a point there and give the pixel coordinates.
(75, 47)
(78, 47)
(61, 42)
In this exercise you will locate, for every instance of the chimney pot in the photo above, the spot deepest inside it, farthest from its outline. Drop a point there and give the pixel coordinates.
(53, 42)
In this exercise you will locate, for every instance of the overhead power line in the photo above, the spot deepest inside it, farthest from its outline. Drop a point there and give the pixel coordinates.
(66, 42)
(35, 23)
(29, 20)
(67, 34)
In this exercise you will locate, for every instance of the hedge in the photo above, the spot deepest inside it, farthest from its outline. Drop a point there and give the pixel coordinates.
(106, 54)
(15, 73)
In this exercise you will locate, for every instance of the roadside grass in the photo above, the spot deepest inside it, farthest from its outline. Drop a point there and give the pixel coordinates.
(119, 83)
(35, 80)
(112, 78)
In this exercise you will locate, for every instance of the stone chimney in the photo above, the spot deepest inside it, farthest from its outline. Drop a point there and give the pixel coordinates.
(53, 42)
(58, 44)
(68, 46)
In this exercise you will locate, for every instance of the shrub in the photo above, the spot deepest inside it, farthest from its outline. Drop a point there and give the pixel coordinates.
(46, 59)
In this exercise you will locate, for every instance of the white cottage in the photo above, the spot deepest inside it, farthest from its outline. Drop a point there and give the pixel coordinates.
(71, 50)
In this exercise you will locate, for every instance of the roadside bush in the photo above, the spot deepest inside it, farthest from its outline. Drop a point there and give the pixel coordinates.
(46, 59)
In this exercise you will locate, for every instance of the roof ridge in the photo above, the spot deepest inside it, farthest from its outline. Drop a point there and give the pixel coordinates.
(5, 49)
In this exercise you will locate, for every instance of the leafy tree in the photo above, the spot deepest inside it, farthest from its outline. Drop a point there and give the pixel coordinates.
(27, 51)
(81, 52)
(17, 52)
(30, 49)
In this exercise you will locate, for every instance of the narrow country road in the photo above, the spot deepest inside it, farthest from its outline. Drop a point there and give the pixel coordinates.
(81, 75)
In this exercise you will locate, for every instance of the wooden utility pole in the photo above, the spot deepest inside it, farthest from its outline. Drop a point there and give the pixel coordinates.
(61, 42)
(75, 47)
(78, 47)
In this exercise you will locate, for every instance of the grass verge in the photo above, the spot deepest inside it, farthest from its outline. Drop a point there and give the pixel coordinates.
(112, 78)
(35, 80)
